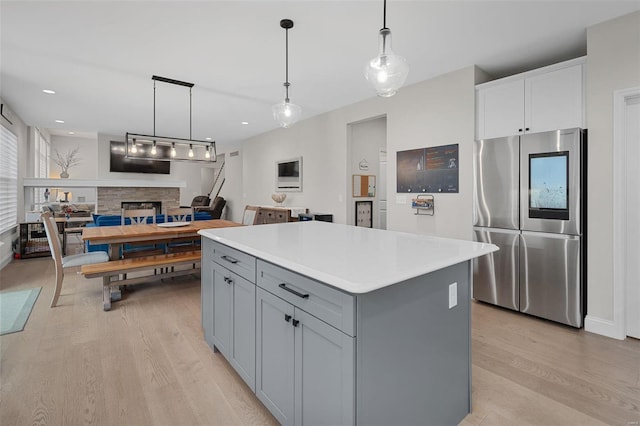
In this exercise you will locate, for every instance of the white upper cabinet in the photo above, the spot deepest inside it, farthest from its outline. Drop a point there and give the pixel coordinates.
(500, 110)
(550, 98)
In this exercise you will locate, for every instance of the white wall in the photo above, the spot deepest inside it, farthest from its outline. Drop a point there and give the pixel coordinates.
(232, 190)
(613, 63)
(86, 169)
(435, 112)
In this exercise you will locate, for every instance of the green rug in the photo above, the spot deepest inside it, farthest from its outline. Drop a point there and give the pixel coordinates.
(15, 308)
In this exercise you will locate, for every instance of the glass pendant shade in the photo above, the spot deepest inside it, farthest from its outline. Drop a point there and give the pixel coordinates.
(286, 113)
(386, 72)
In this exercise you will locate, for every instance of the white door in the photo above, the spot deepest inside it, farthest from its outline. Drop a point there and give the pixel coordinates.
(632, 248)
(381, 190)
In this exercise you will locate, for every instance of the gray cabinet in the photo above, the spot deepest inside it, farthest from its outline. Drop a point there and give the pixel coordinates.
(317, 355)
(305, 367)
(206, 289)
(274, 350)
(229, 314)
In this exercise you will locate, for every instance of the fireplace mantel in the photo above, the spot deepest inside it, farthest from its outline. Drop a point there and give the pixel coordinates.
(101, 183)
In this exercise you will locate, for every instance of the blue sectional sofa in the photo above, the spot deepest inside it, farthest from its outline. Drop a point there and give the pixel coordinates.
(116, 220)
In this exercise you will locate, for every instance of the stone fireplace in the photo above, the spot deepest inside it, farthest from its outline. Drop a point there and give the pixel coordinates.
(135, 205)
(111, 200)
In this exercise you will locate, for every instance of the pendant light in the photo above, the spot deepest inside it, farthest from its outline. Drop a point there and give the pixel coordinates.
(286, 113)
(386, 72)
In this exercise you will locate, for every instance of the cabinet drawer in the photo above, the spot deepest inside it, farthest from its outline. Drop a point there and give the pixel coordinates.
(320, 300)
(232, 259)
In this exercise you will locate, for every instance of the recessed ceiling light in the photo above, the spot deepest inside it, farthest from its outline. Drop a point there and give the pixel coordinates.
(49, 91)
(60, 121)
(72, 133)
(245, 122)
(208, 139)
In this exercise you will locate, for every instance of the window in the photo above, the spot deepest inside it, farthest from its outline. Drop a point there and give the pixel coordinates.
(41, 156)
(8, 179)
(41, 153)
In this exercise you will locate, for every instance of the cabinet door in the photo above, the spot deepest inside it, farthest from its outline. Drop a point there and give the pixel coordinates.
(206, 296)
(554, 100)
(222, 309)
(274, 355)
(324, 373)
(243, 336)
(500, 110)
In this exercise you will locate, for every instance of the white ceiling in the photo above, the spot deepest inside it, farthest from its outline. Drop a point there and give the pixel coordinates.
(99, 56)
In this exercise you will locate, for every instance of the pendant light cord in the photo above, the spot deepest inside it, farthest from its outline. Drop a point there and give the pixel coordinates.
(154, 107)
(384, 15)
(286, 62)
(190, 107)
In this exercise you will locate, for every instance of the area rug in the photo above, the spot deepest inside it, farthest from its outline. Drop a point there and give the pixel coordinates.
(15, 308)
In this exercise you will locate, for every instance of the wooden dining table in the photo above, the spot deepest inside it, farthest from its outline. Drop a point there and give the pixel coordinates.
(117, 236)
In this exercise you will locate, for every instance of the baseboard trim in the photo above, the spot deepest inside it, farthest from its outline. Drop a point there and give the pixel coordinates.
(603, 327)
(7, 259)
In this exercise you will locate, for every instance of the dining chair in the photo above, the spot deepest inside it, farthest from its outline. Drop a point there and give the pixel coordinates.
(65, 262)
(139, 217)
(249, 215)
(180, 214)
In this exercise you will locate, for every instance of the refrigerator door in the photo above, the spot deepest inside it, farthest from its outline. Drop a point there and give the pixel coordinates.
(550, 277)
(496, 164)
(550, 196)
(495, 275)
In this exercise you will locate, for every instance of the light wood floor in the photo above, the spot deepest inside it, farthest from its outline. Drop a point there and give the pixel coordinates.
(146, 362)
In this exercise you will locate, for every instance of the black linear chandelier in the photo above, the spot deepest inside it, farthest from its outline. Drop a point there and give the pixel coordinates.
(153, 147)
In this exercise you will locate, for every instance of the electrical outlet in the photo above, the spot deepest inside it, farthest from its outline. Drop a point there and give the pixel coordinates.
(453, 295)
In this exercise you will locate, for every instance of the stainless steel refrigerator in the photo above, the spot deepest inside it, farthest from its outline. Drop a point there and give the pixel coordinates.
(530, 201)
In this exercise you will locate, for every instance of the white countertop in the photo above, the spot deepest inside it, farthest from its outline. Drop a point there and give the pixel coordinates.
(353, 259)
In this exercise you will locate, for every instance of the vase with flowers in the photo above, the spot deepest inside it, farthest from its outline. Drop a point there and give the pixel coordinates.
(66, 161)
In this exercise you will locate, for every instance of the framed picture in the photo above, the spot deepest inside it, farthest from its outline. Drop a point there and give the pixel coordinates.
(289, 175)
(364, 214)
(364, 186)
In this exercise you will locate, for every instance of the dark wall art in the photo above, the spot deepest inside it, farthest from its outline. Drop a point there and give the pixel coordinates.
(433, 169)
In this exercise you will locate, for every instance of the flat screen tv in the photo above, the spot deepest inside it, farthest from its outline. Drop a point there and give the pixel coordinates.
(121, 164)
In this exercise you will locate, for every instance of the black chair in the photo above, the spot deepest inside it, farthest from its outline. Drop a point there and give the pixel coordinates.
(216, 207)
(201, 204)
(200, 201)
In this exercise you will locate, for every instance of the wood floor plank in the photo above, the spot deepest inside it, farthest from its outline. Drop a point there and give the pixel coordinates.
(146, 363)
(501, 401)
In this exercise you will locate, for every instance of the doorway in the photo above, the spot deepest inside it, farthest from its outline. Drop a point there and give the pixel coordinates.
(626, 206)
(367, 154)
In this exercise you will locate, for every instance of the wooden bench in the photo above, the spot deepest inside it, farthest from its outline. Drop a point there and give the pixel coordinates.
(112, 269)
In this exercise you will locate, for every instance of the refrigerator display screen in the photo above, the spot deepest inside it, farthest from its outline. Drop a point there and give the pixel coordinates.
(548, 185)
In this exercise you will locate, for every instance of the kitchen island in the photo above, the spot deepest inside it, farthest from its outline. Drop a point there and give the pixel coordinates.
(336, 324)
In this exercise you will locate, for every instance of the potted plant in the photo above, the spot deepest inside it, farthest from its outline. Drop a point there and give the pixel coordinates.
(66, 161)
